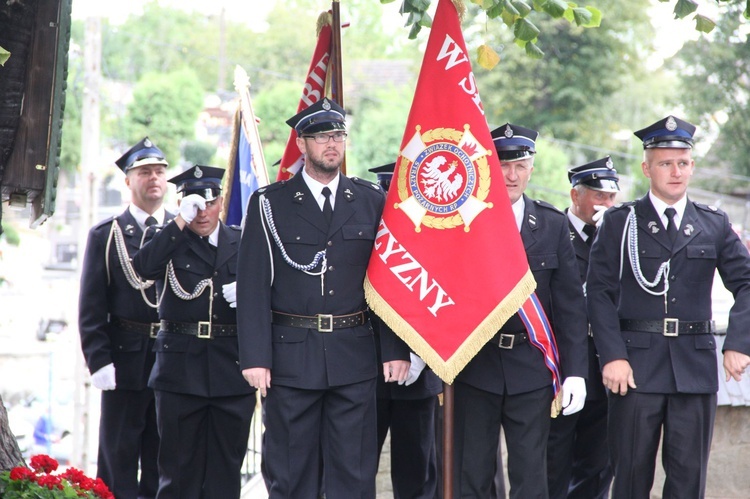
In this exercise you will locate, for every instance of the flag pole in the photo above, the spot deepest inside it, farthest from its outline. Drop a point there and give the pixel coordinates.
(337, 92)
(447, 441)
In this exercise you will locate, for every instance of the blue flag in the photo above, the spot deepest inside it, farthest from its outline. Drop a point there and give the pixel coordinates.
(244, 180)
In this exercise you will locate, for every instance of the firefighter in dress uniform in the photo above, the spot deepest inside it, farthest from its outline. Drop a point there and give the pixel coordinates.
(577, 458)
(651, 271)
(305, 338)
(118, 321)
(203, 404)
(508, 384)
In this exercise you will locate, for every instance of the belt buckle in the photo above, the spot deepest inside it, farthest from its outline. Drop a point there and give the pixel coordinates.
(323, 326)
(671, 327)
(154, 329)
(204, 330)
(506, 344)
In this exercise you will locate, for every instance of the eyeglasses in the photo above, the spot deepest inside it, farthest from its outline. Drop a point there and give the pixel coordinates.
(325, 138)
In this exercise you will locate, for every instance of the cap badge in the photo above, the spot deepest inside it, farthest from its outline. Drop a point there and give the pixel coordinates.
(198, 173)
(654, 227)
(147, 143)
(671, 124)
(609, 164)
(326, 105)
(508, 131)
(688, 229)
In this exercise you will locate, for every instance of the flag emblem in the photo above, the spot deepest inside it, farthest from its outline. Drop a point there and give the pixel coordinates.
(443, 178)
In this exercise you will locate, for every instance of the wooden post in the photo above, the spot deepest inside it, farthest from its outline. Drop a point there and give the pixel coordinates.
(447, 441)
(337, 91)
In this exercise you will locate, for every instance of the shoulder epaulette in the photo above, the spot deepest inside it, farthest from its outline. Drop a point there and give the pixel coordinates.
(626, 204)
(365, 183)
(270, 187)
(709, 208)
(104, 222)
(235, 228)
(545, 204)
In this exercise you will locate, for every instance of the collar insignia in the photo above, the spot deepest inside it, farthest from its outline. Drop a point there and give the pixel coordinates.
(688, 229)
(654, 226)
(532, 221)
(348, 194)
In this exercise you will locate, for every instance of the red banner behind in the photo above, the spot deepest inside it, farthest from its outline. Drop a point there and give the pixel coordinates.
(448, 266)
(312, 92)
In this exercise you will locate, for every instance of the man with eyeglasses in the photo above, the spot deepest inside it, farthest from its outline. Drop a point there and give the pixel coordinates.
(305, 338)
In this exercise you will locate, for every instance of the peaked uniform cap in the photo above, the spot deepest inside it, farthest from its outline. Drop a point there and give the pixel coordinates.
(323, 116)
(202, 180)
(385, 174)
(144, 152)
(599, 175)
(671, 132)
(513, 142)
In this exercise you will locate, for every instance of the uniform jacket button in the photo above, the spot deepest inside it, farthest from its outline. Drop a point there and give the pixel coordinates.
(329, 243)
(330, 268)
(674, 300)
(331, 293)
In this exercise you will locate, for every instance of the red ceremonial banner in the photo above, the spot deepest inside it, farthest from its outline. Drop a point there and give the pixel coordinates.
(448, 267)
(312, 92)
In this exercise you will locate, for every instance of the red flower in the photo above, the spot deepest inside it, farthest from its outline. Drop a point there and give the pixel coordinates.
(101, 489)
(43, 463)
(21, 473)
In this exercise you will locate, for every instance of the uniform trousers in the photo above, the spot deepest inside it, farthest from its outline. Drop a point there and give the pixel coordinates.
(577, 454)
(343, 420)
(636, 423)
(203, 444)
(128, 441)
(413, 461)
(525, 419)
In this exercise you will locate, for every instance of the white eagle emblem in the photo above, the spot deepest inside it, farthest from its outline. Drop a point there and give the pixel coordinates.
(438, 184)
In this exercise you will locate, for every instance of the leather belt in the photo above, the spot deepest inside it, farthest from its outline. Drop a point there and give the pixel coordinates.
(323, 323)
(202, 329)
(668, 327)
(149, 328)
(507, 341)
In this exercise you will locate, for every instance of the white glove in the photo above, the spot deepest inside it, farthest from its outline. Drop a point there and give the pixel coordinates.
(597, 217)
(574, 394)
(104, 378)
(415, 369)
(230, 293)
(190, 205)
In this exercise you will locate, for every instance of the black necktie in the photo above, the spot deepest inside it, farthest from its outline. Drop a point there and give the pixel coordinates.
(671, 225)
(150, 221)
(589, 230)
(327, 207)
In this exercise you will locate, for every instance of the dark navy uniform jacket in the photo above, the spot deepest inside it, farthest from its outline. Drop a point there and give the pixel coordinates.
(546, 238)
(705, 242)
(594, 386)
(297, 357)
(99, 299)
(184, 363)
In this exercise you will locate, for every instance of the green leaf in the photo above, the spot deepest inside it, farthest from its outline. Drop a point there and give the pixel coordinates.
(509, 19)
(414, 18)
(684, 8)
(426, 21)
(522, 7)
(533, 51)
(582, 16)
(704, 24)
(525, 30)
(747, 10)
(596, 18)
(508, 5)
(414, 31)
(4, 56)
(497, 10)
(555, 8)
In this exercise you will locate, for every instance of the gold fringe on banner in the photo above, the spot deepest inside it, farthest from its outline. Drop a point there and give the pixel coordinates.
(229, 175)
(324, 19)
(447, 370)
(460, 8)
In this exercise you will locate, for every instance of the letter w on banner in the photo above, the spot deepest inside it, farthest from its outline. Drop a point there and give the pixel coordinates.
(313, 91)
(448, 266)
